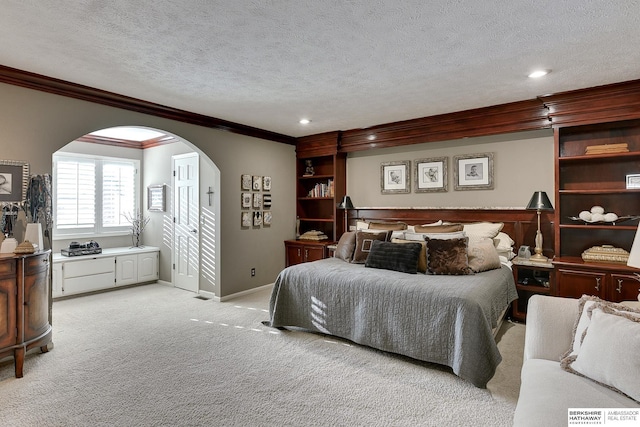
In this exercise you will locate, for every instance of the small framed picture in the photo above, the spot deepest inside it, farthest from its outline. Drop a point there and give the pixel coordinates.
(394, 177)
(473, 172)
(246, 182)
(257, 183)
(257, 200)
(257, 218)
(14, 180)
(155, 198)
(430, 175)
(633, 181)
(246, 200)
(266, 183)
(266, 218)
(266, 201)
(246, 219)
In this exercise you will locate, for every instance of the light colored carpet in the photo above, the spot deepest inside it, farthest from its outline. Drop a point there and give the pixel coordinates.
(157, 356)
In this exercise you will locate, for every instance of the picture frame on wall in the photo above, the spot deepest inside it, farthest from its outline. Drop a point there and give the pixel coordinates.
(473, 172)
(246, 200)
(430, 175)
(257, 183)
(257, 218)
(245, 182)
(266, 183)
(394, 177)
(266, 201)
(246, 219)
(156, 198)
(14, 180)
(267, 216)
(257, 200)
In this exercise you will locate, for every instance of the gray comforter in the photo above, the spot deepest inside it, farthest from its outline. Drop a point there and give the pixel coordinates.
(441, 319)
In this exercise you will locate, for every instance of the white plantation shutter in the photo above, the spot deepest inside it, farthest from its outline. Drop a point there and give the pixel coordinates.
(93, 195)
(76, 193)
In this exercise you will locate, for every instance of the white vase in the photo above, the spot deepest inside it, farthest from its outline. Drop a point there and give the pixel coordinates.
(33, 233)
(9, 245)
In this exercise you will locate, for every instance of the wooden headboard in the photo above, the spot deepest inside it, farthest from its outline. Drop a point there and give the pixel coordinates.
(520, 224)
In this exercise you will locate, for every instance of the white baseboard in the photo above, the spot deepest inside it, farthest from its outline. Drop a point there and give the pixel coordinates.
(207, 294)
(239, 294)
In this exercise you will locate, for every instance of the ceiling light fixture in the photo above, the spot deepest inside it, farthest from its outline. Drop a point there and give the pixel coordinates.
(304, 121)
(539, 73)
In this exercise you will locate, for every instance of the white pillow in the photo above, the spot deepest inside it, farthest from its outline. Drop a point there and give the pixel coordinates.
(422, 236)
(503, 241)
(362, 225)
(610, 349)
(482, 230)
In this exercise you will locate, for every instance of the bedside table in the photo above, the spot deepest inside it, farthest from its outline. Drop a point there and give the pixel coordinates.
(531, 278)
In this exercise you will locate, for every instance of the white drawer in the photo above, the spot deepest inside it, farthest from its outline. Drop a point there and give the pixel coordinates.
(95, 282)
(88, 267)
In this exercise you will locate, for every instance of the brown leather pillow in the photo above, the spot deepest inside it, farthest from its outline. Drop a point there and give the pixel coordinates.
(447, 256)
(364, 240)
(394, 226)
(445, 228)
(346, 245)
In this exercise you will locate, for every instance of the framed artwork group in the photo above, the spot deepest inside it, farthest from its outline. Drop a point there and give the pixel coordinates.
(470, 172)
(257, 202)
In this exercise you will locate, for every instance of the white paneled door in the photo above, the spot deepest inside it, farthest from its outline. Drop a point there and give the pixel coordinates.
(186, 208)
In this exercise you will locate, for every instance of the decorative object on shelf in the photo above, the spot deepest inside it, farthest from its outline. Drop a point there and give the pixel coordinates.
(633, 181)
(597, 215)
(313, 235)
(605, 253)
(14, 180)
(346, 204)
(430, 175)
(607, 149)
(473, 172)
(245, 182)
(33, 234)
(9, 244)
(155, 198)
(539, 202)
(394, 177)
(266, 183)
(38, 207)
(25, 247)
(9, 217)
(138, 222)
(308, 170)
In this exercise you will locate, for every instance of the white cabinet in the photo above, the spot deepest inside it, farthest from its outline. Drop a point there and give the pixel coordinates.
(112, 268)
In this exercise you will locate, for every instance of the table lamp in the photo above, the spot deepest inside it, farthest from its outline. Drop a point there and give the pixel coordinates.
(539, 202)
(346, 204)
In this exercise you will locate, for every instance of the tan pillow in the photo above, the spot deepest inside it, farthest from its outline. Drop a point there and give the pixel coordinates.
(346, 246)
(483, 255)
(395, 226)
(364, 240)
(447, 228)
(447, 256)
(422, 258)
(482, 230)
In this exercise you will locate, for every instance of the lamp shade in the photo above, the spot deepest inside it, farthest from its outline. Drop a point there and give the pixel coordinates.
(346, 203)
(540, 201)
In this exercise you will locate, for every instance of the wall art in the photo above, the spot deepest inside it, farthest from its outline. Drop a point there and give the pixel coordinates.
(257, 218)
(430, 175)
(257, 200)
(394, 177)
(156, 198)
(267, 216)
(14, 180)
(266, 183)
(245, 182)
(246, 219)
(246, 200)
(257, 183)
(473, 172)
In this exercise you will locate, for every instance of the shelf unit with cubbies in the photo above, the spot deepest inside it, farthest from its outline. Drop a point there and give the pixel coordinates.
(587, 180)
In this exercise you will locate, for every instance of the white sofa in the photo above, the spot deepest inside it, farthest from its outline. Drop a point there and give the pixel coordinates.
(547, 391)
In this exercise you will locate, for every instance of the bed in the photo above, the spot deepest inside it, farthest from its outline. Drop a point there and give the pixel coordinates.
(440, 318)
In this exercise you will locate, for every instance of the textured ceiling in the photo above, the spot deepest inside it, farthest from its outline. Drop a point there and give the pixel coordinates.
(343, 64)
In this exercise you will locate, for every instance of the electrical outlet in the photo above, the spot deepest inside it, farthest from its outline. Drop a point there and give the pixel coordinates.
(253, 272)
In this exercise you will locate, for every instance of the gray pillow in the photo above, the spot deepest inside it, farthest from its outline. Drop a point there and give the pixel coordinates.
(392, 256)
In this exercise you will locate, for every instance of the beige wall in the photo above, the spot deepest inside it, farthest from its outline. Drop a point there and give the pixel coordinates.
(523, 163)
(35, 124)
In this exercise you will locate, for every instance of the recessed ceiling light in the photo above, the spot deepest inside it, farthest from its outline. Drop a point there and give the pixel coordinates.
(304, 121)
(539, 73)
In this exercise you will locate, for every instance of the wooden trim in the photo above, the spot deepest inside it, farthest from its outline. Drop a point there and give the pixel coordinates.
(116, 142)
(72, 90)
(505, 118)
(614, 102)
(321, 144)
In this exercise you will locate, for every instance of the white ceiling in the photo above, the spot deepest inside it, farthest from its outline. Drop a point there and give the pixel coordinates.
(343, 64)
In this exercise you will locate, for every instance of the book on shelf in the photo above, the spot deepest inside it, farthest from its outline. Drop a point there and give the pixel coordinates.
(322, 189)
